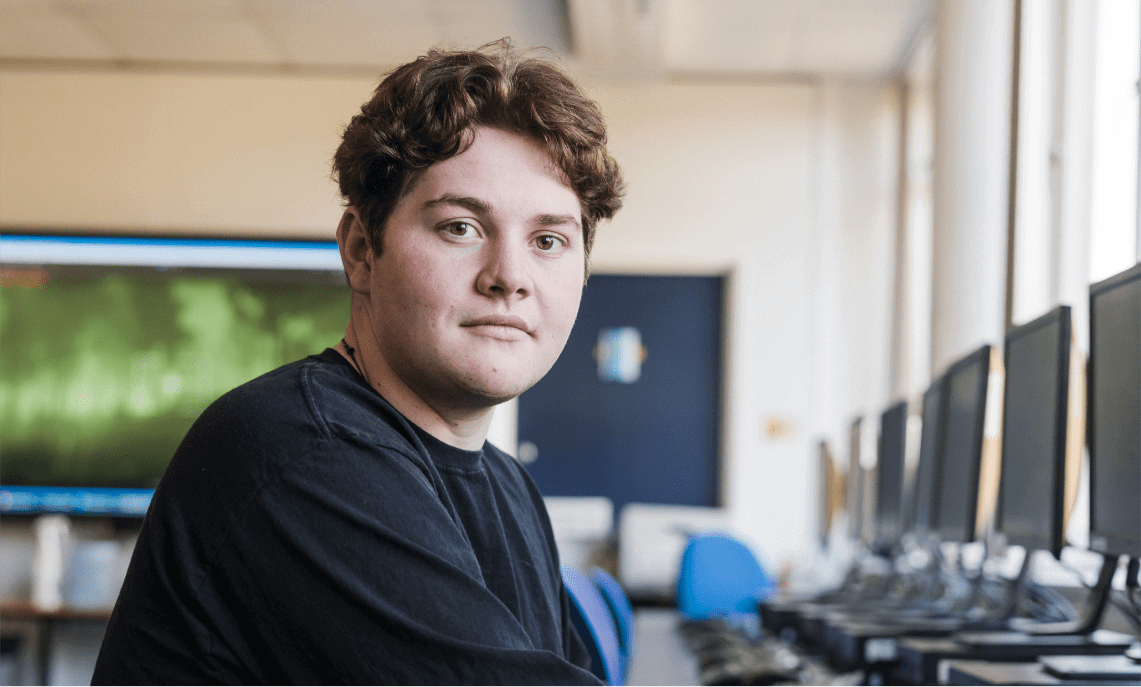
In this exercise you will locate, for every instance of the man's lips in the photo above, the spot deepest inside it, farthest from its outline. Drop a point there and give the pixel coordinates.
(512, 321)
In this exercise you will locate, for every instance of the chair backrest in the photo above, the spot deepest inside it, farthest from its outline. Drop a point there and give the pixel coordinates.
(620, 610)
(595, 626)
(720, 576)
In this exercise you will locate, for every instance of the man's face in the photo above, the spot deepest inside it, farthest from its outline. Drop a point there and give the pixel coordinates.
(480, 275)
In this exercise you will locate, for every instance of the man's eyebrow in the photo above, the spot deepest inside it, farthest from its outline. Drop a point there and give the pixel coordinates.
(558, 220)
(466, 202)
(480, 206)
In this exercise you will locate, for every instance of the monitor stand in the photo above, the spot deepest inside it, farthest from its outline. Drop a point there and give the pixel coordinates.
(1024, 638)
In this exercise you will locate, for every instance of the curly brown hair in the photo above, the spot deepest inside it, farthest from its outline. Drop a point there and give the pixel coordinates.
(427, 111)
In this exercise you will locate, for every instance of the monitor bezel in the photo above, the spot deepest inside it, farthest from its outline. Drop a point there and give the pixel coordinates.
(935, 392)
(946, 532)
(888, 530)
(169, 250)
(1053, 541)
(1109, 543)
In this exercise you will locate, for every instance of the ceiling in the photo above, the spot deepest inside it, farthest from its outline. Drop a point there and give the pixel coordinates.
(605, 38)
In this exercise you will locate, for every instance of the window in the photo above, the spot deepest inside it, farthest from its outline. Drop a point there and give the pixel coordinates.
(1114, 228)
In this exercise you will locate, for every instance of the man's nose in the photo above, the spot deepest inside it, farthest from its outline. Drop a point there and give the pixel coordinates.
(505, 271)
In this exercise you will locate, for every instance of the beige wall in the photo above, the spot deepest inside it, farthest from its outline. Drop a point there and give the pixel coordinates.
(167, 153)
(786, 188)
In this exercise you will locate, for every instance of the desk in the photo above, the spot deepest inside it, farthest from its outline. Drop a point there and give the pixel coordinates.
(47, 626)
(959, 672)
(659, 656)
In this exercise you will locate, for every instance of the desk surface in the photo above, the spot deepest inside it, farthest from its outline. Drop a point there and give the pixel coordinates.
(963, 672)
(24, 610)
(659, 656)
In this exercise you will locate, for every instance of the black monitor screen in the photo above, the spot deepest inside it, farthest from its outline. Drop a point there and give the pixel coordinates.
(962, 447)
(1030, 500)
(889, 474)
(111, 347)
(923, 498)
(1115, 414)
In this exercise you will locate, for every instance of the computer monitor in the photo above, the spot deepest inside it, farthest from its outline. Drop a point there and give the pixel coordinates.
(923, 497)
(965, 399)
(1114, 414)
(1034, 426)
(891, 454)
(111, 346)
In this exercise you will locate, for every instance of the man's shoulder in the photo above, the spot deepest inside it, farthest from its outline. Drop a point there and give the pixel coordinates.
(312, 410)
(294, 428)
(285, 385)
(318, 395)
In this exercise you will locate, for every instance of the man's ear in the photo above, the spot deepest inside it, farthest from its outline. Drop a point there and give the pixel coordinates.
(356, 251)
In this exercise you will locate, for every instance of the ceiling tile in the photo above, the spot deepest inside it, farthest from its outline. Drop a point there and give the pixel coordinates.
(529, 23)
(613, 37)
(211, 30)
(619, 38)
(349, 32)
(472, 23)
(38, 30)
(730, 35)
(867, 37)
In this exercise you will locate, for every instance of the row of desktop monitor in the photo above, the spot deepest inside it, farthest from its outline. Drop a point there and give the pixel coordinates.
(1052, 405)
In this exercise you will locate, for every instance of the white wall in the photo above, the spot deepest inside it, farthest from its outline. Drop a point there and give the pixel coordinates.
(787, 188)
(858, 206)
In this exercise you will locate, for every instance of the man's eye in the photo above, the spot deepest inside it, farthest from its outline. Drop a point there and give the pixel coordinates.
(463, 230)
(549, 243)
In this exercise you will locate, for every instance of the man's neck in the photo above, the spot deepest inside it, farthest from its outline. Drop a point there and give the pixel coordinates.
(465, 429)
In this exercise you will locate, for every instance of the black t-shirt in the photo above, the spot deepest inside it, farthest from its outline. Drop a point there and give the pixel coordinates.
(306, 532)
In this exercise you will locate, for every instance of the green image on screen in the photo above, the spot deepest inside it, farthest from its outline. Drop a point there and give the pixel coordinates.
(104, 369)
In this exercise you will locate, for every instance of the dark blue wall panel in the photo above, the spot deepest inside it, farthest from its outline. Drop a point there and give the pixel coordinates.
(655, 440)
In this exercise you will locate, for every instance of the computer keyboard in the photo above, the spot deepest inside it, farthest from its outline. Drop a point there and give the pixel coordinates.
(736, 652)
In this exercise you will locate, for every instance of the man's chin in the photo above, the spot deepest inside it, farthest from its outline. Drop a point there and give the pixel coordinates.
(486, 394)
(489, 398)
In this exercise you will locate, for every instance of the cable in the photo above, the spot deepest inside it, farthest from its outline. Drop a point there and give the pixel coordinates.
(1047, 604)
(1127, 607)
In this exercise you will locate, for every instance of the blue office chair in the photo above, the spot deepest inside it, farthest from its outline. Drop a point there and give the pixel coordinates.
(719, 576)
(595, 626)
(621, 611)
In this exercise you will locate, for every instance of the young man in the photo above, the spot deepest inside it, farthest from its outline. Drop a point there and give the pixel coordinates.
(342, 519)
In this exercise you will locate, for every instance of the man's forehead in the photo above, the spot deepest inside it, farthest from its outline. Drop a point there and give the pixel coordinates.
(496, 170)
